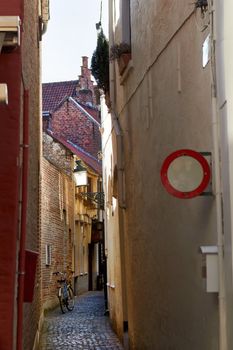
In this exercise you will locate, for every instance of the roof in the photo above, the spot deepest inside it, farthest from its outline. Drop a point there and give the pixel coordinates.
(94, 112)
(54, 93)
(87, 158)
(84, 110)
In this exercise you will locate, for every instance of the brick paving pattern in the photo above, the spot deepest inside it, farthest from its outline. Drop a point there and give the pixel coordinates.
(84, 328)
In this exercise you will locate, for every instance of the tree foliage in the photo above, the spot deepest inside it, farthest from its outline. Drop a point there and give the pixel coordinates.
(100, 62)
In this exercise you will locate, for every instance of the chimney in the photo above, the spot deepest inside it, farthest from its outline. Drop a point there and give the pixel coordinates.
(85, 61)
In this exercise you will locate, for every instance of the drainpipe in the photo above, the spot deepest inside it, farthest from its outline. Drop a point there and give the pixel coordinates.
(218, 194)
(21, 268)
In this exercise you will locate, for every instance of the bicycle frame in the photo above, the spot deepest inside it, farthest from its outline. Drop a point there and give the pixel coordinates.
(65, 293)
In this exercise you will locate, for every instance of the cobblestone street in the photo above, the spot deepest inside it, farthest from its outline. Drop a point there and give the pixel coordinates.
(85, 328)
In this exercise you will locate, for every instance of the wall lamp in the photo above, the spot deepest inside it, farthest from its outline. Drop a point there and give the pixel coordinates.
(80, 174)
(80, 177)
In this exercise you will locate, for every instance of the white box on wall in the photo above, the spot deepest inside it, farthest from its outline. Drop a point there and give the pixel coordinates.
(211, 261)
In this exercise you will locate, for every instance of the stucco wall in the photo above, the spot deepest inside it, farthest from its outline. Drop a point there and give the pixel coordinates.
(165, 105)
(113, 245)
(224, 54)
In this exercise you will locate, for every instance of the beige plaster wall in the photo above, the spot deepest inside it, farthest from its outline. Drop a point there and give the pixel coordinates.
(113, 247)
(163, 105)
(224, 55)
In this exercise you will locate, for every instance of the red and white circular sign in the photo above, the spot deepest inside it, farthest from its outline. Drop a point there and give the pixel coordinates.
(185, 173)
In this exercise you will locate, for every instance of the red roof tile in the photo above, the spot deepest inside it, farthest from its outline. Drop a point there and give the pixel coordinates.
(87, 158)
(54, 93)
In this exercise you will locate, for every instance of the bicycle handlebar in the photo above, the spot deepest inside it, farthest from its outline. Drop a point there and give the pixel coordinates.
(62, 273)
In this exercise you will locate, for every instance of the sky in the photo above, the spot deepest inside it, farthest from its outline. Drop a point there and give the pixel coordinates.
(71, 34)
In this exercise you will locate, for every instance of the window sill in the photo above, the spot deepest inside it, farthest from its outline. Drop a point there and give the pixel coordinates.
(126, 72)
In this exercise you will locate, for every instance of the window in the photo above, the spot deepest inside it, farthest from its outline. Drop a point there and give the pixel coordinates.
(126, 21)
(48, 254)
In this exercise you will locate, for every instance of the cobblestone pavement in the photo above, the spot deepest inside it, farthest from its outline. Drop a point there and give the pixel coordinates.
(84, 328)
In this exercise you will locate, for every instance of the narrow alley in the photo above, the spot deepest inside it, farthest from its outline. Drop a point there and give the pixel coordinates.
(116, 175)
(86, 327)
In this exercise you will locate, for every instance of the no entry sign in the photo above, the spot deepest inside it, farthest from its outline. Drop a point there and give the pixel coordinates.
(185, 173)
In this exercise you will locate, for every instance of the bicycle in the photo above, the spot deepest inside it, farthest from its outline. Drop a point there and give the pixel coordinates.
(65, 293)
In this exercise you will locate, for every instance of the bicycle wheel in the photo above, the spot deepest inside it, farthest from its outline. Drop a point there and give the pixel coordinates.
(62, 301)
(70, 299)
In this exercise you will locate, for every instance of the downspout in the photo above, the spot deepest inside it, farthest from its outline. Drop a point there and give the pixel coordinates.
(218, 194)
(21, 268)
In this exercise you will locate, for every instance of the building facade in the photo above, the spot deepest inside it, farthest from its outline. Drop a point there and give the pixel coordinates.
(57, 217)
(22, 25)
(162, 101)
(68, 217)
(71, 120)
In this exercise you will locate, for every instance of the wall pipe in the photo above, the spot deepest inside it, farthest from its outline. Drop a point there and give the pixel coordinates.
(217, 190)
(21, 268)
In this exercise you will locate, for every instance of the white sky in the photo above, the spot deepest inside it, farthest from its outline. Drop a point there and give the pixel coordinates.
(71, 34)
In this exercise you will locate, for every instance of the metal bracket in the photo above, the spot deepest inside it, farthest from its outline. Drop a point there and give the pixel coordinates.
(97, 197)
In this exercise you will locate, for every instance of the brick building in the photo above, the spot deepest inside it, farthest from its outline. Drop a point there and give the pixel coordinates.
(67, 218)
(57, 215)
(71, 132)
(71, 121)
(20, 159)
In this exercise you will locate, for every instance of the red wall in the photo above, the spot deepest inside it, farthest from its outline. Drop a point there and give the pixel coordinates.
(10, 73)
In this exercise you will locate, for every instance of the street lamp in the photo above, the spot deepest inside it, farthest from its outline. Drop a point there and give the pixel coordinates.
(80, 174)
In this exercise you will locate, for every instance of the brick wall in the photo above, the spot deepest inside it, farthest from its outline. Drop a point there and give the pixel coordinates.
(85, 89)
(57, 154)
(57, 215)
(57, 226)
(71, 123)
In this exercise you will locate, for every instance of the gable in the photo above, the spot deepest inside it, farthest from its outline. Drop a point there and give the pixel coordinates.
(72, 122)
